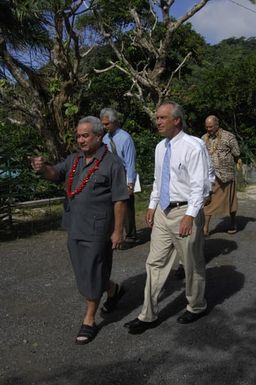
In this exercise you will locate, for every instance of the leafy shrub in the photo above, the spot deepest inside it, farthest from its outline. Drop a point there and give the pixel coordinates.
(18, 182)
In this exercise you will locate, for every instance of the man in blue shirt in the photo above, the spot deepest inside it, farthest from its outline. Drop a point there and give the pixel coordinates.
(119, 142)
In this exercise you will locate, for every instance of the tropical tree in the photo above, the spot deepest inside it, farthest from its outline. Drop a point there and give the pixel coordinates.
(143, 53)
(226, 86)
(45, 94)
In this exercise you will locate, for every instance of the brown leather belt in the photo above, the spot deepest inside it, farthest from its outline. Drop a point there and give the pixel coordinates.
(176, 204)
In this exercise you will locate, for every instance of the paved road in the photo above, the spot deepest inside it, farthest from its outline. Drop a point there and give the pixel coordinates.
(41, 312)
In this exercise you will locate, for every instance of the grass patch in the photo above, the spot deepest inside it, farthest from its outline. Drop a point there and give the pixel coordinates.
(36, 213)
(29, 221)
(141, 205)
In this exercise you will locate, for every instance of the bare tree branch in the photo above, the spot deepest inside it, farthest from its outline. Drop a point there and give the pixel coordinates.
(140, 38)
(149, 80)
(189, 14)
(88, 51)
(166, 89)
(155, 22)
(113, 65)
(15, 70)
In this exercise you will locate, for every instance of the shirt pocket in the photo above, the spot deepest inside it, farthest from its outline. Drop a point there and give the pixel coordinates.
(181, 172)
(100, 223)
(100, 180)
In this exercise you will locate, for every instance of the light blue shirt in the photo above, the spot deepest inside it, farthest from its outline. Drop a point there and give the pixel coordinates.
(125, 150)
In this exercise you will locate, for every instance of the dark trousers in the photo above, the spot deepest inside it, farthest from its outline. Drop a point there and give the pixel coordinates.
(130, 224)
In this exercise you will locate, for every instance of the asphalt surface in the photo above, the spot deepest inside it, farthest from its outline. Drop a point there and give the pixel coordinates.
(41, 312)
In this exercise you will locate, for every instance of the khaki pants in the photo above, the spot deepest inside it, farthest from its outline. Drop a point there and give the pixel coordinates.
(164, 246)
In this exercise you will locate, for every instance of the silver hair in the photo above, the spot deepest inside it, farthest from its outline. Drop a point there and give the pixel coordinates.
(111, 114)
(97, 127)
(177, 112)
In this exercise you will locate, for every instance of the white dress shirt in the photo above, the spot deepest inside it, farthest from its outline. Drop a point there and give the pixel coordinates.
(211, 170)
(189, 180)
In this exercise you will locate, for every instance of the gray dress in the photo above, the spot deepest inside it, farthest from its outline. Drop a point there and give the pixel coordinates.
(89, 219)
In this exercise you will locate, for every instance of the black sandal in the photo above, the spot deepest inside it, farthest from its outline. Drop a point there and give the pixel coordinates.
(86, 334)
(111, 302)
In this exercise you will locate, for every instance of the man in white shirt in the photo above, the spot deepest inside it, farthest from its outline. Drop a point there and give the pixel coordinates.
(179, 272)
(176, 216)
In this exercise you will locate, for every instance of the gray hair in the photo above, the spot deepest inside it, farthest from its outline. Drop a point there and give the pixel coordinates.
(111, 114)
(177, 112)
(97, 127)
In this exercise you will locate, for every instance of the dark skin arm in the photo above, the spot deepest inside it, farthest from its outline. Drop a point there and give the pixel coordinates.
(119, 214)
(47, 171)
(130, 187)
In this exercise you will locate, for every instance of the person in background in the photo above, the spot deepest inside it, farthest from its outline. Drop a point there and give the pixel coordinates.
(119, 142)
(93, 216)
(176, 215)
(224, 152)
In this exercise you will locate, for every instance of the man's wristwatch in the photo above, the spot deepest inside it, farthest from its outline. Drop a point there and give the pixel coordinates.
(130, 187)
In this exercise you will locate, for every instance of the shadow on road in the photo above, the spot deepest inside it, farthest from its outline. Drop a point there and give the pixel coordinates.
(224, 225)
(222, 283)
(218, 246)
(152, 364)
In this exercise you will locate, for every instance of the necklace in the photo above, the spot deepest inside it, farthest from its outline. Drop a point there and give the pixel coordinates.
(213, 145)
(84, 182)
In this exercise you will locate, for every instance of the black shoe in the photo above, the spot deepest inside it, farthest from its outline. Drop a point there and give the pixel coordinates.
(179, 273)
(131, 240)
(125, 246)
(128, 243)
(188, 317)
(132, 322)
(111, 302)
(137, 326)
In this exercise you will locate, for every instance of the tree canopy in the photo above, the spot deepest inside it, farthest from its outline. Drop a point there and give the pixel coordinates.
(62, 59)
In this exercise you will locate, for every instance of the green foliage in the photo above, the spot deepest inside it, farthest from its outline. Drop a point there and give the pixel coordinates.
(115, 14)
(17, 180)
(225, 85)
(215, 80)
(68, 138)
(3, 83)
(70, 109)
(184, 40)
(54, 86)
(106, 90)
(145, 143)
(23, 24)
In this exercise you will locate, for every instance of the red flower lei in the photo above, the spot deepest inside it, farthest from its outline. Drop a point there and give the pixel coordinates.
(84, 182)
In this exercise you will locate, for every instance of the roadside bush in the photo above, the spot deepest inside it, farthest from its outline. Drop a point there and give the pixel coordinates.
(18, 182)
